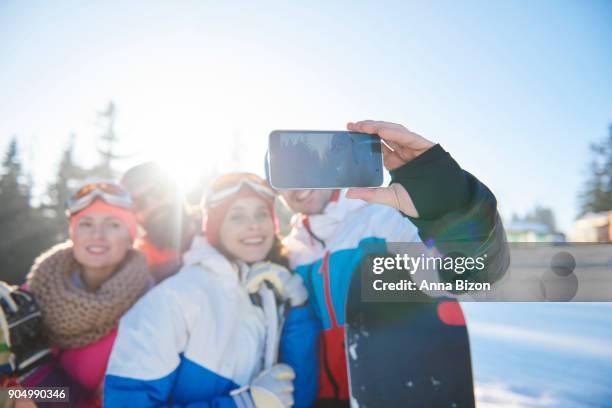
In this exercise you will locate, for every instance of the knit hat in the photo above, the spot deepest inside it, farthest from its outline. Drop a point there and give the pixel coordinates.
(100, 206)
(224, 192)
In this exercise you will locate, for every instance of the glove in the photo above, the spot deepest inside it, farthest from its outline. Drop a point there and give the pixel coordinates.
(272, 388)
(22, 344)
(288, 285)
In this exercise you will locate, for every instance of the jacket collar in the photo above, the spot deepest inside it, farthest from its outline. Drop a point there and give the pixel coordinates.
(203, 254)
(324, 225)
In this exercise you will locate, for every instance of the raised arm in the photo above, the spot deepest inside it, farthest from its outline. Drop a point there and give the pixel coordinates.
(446, 203)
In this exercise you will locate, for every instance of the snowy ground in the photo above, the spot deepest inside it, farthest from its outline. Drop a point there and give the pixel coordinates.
(541, 354)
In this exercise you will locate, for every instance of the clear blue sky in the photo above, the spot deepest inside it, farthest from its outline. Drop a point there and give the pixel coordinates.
(516, 90)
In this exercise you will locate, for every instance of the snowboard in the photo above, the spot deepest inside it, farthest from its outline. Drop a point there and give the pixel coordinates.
(407, 354)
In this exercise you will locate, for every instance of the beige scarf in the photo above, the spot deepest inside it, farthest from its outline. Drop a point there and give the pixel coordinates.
(74, 317)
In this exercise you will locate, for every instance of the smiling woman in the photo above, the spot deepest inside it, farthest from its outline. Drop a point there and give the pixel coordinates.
(240, 218)
(248, 230)
(85, 285)
(100, 241)
(241, 331)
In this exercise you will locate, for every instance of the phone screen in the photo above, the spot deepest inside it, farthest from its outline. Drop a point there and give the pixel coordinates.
(324, 159)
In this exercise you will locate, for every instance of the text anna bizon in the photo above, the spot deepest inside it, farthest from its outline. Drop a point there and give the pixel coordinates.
(405, 284)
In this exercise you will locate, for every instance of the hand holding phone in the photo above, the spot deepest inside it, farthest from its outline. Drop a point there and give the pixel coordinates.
(401, 146)
(405, 145)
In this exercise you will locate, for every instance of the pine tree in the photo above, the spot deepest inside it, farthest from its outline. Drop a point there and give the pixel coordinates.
(538, 215)
(107, 144)
(542, 215)
(598, 192)
(25, 232)
(14, 192)
(69, 175)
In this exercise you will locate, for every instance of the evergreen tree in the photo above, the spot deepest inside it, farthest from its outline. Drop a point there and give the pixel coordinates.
(539, 215)
(69, 175)
(597, 195)
(14, 191)
(543, 215)
(107, 144)
(25, 231)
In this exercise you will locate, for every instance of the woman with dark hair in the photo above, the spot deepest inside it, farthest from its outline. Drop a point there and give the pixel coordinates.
(232, 327)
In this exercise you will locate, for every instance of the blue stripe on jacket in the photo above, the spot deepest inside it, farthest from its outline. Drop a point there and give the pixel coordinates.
(191, 385)
(299, 348)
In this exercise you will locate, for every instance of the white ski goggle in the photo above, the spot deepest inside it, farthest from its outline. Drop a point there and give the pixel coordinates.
(111, 193)
(215, 198)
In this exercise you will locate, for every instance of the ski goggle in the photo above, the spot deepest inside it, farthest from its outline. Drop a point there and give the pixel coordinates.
(215, 198)
(110, 192)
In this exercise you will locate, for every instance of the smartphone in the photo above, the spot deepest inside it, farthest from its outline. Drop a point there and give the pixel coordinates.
(304, 159)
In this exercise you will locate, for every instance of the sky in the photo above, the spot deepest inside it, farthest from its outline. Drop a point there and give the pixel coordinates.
(515, 90)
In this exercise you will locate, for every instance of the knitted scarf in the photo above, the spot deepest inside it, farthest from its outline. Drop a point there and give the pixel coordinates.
(74, 317)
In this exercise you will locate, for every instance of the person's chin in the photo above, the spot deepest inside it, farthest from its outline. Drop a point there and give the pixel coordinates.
(165, 215)
(164, 234)
(254, 256)
(96, 263)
